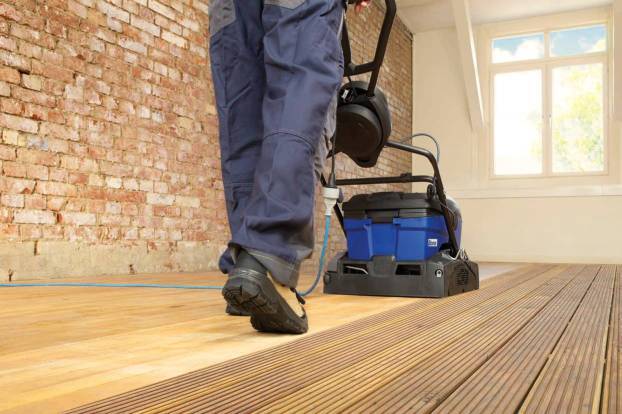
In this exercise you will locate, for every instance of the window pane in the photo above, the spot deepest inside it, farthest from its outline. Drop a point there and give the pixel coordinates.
(578, 118)
(513, 49)
(518, 123)
(579, 41)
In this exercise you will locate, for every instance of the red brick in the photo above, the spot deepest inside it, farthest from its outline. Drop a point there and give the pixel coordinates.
(35, 202)
(75, 205)
(55, 188)
(56, 203)
(30, 231)
(39, 172)
(162, 9)
(113, 11)
(12, 200)
(36, 112)
(32, 82)
(78, 178)
(6, 215)
(14, 60)
(34, 217)
(5, 89)
(145, 26)
(130, 209)
(34, 97)
(58, 174)
(10, 75)
(77, 8)
(10, 12)
(19, 123)
(58, 73)
(9, 231)
(32, 36)
(7, 153)
(11, 106)
(96, 206)
(130, 234)
(16, 185)
(112, 220)
(59, 131)
(174, 39)
(160, 199)
(125, 196)
(14, 169)
(33, 156)
(78, 219)
(28, 50)
(52, 232)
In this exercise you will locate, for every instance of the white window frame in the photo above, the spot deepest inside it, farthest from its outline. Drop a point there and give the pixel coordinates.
(545, 25)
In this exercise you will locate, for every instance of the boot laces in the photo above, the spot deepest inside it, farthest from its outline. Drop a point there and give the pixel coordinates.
(300, 298)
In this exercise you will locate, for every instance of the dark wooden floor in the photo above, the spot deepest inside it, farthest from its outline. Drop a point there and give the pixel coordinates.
(542, 338)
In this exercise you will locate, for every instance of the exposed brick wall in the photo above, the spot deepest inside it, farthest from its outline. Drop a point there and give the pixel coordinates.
(108, 143)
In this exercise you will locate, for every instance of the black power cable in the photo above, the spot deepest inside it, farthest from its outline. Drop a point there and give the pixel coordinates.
(423, 134)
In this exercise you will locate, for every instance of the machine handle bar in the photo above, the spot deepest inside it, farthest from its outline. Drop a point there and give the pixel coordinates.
(352, 69)
(440, 188)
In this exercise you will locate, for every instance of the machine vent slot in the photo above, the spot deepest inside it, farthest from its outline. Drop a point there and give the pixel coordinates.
(409, 270)
(462, 276)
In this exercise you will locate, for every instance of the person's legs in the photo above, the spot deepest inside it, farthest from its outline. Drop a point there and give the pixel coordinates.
(236, 52)
(303, 67)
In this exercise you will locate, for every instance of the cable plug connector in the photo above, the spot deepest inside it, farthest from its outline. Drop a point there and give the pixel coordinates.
(331, 196)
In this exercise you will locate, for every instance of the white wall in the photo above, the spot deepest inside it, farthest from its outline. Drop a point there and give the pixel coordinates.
(582, 222)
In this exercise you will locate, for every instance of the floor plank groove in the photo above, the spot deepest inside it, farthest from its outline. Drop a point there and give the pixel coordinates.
(571, 381)
(428, 384)
(369, 379)
(612, 386)
(305, 361)
(536, 338)
(502, 383)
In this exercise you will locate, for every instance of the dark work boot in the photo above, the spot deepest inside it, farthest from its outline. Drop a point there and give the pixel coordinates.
(273, 307)
(236, 311)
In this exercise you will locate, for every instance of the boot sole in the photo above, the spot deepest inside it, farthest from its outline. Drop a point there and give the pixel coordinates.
(255, 294)
(235, 311)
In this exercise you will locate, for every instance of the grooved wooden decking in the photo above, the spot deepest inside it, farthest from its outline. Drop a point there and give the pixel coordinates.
(543, 338)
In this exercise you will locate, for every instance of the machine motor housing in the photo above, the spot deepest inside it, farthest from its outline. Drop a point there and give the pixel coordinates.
(398, 245)
(408, 226)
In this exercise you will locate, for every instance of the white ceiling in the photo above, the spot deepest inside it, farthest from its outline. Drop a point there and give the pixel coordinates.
(424, 15)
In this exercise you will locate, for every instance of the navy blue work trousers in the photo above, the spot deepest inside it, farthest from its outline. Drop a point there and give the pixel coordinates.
(277, 66)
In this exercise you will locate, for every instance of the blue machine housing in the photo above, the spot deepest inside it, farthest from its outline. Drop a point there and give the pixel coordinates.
(406, 226)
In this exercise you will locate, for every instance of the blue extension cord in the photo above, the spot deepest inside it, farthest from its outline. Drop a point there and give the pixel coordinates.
(157, 286)
(110, 285)
(320, 267)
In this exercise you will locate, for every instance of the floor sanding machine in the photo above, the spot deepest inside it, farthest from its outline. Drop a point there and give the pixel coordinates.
(399, 243)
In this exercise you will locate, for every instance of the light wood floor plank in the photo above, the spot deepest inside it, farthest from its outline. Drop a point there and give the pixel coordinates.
(612, 392)
(63, 347)
(502, 383)
(571, 381)
(223, 388)
(539, 338)
(419, 384)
